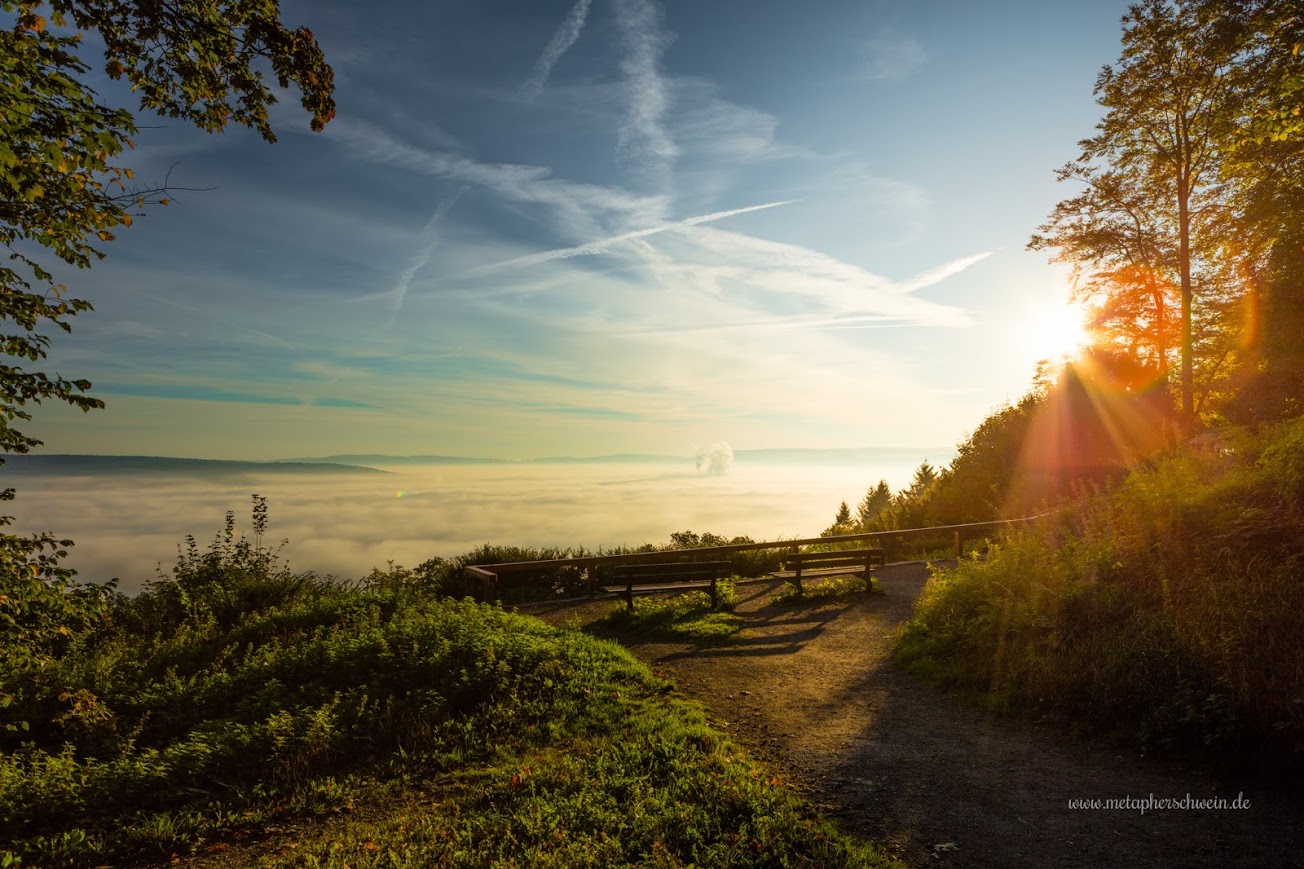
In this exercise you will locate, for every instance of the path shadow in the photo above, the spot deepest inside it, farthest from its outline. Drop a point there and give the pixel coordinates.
(812, 690)
(917, 768)
(768, 628)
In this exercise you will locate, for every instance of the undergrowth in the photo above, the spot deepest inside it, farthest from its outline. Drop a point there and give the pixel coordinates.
(689, 616)
(240, 712)
(1165, 611)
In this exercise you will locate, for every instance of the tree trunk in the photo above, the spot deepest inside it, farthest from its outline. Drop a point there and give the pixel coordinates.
(1184, 263)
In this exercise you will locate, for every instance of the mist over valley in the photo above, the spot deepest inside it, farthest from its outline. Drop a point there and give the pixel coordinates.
(128, 514)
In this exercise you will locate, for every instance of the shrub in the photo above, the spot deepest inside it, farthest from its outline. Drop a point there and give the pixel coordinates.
(1162, 609)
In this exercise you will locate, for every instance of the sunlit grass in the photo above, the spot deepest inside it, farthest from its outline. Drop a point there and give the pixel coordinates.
(828, 588)
(689, 616)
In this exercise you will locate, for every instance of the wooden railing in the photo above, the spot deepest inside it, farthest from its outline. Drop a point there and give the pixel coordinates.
(481, 580)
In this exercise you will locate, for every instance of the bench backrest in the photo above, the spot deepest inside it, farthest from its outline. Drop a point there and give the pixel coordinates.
(668, 572)
(836, 558)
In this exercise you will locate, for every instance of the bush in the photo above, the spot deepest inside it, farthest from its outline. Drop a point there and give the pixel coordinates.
(236, 695)
(1163, 609)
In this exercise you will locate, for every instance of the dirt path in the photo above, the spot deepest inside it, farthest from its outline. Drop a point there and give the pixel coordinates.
(810, 690)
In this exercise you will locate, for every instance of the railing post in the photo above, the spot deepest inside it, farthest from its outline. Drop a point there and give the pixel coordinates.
(959, 551)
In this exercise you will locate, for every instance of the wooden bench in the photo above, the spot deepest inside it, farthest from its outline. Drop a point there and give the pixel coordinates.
(648, 578)
(860, 561)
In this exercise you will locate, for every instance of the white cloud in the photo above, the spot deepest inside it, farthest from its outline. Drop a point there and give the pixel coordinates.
(643, 135)
(945, 270)
(890, 56)
(715, 460)
(838, 286)
(562, 39)
(604, 244)
(578, 208)
(711, 128)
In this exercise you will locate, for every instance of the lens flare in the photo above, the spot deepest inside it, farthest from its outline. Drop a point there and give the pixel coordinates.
(1059, 332)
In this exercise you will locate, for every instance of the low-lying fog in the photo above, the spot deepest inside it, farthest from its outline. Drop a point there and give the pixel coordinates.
(126, 526)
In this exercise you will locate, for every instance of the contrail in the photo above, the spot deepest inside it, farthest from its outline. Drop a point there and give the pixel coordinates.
(942, 272)
(430, 235)
(600, 245)
(563, 39)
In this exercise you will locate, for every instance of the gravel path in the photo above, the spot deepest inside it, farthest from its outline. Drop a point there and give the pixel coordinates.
(810, 691)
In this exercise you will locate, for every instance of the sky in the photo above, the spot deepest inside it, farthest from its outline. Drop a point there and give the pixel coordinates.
(583, 227)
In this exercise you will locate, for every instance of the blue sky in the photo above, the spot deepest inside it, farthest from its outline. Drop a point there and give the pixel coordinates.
(595, 227)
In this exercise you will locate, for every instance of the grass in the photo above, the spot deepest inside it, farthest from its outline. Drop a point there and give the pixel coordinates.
(663, 789)
(242, 715)
(823, 589)
(1164, 611)
(689, 616)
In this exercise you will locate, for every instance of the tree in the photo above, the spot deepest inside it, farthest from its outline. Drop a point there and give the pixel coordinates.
(1112, 235)
(876, 500)
(925, 477)
(1171, 107)
(1264, 234)
(1262, 229)
(1277, 59)
(844, 515)
(61, 190)
(986, 470)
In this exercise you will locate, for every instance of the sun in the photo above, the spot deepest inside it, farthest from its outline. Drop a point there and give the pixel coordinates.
(1059, 332)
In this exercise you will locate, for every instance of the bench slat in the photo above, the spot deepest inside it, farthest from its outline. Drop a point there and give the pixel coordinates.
(667, 577)
(669, 586)
(856, 560)
(830, 562)
(685, 567)
(837, 553)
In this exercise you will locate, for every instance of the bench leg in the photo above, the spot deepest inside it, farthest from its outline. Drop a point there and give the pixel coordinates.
(796, 580)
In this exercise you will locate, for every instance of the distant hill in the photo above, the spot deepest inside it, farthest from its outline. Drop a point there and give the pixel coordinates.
(376, 459)
(854, 455)
(621, 458)
(74, 465)
(85, 465)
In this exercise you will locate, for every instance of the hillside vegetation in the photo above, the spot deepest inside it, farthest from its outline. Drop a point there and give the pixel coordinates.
(237, 711)
(1163, 609)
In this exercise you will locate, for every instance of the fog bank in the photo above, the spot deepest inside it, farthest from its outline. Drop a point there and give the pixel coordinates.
(128, 525)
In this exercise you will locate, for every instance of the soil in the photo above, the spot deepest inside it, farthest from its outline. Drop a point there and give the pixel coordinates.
(810, 690)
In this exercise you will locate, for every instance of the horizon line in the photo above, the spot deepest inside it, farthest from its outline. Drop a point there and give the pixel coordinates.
(470, 459)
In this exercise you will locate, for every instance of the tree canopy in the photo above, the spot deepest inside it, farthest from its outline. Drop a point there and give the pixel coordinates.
(1184, 237)
(64, 194)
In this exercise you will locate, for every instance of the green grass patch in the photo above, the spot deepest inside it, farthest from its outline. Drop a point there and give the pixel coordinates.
(243, 714)
(658, 787)
(689, 616)
(822, 589)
